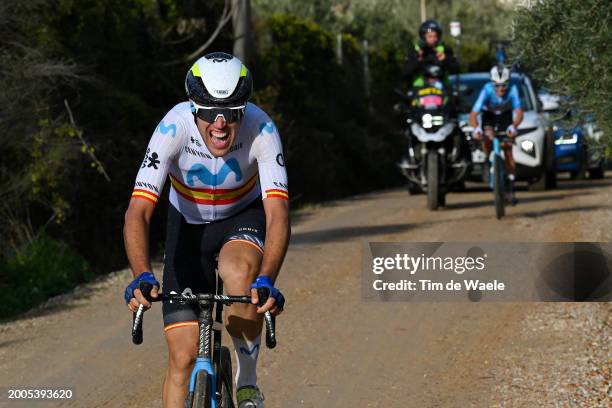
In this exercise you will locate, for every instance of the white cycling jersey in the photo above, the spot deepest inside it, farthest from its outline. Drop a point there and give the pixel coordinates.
(206, 188)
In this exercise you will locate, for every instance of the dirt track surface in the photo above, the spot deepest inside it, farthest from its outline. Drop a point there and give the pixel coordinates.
(336, 351)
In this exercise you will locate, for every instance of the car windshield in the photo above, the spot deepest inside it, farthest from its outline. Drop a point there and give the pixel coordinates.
(470, 88)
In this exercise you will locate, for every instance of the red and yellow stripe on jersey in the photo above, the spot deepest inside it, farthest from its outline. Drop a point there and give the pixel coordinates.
(277, 193)
(145, 194)
(219, 196)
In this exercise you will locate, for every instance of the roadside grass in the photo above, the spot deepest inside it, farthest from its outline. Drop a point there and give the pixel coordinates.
(44, 269)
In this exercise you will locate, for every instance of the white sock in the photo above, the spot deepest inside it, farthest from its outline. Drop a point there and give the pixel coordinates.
(246, 352)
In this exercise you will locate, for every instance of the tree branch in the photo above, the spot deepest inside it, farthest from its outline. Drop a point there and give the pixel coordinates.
(226, 16)
(88, 149)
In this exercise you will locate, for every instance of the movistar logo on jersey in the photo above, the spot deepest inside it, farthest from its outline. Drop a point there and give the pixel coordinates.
(268, 127)
(205, 176)
(165, 129)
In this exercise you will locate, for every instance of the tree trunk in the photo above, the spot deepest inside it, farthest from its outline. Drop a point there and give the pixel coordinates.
(241, 21)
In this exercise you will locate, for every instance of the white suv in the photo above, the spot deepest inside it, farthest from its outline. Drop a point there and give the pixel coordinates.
(534, 151)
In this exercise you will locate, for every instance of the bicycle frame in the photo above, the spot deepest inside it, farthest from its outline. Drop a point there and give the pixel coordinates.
(204, 359)
(497, 154)
(206, 302)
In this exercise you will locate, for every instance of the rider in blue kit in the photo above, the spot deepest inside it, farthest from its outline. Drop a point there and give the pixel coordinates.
(502, 108)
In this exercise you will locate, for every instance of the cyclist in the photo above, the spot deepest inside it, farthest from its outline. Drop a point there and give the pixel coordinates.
(502, 108)
(228, 195)
(429, 50)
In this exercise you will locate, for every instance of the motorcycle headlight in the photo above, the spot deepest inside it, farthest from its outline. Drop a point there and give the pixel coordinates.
(417, 130)
(528, 147)
(567, 139)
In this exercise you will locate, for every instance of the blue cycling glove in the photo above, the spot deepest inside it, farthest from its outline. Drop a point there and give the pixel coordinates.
(266, 282)
(143, 277)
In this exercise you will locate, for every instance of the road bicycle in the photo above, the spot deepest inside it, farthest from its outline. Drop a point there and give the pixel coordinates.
(502, 190)
(210, 384)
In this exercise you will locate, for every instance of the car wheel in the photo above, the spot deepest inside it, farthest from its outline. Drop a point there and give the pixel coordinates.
(414, 189)
(539, 184)
(597, 173)
(580, 174)
(550, 176)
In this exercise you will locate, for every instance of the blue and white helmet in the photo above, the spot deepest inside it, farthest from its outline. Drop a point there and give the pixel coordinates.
(500, 75)
(219, 79)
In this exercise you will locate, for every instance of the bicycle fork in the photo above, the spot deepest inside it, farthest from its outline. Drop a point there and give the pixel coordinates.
(496, 154)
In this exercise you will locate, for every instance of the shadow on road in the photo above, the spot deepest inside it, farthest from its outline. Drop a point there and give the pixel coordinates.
(583, 184)
(542, 213)
(522, 199)
(347, 233)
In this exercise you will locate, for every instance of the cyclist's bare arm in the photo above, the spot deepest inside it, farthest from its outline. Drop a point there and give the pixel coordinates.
(474, 119)
(518, 117)
(136, 239)
(278, 232)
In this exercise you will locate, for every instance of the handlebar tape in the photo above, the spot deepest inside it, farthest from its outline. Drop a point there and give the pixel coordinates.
(138, 316)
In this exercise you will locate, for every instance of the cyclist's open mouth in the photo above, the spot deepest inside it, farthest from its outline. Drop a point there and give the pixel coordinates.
(219, 139)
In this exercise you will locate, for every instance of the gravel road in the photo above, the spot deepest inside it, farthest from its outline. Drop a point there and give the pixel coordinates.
(336, 351)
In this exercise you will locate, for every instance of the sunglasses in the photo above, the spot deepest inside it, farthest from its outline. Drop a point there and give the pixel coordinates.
(210, 114)
(501, 85)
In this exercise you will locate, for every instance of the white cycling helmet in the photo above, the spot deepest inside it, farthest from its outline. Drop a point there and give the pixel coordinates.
(500, 75)
(219, 79)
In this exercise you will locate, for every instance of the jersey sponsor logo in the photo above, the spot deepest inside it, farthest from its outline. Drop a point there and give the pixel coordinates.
(214, 196)
(146, 159)
(148, 186)
(207, 177)
(281, 185)
(198, 153)
(280, 160)
(195, 141)
(249, 229)
(153, 162)
(165, 129)
(268, 127)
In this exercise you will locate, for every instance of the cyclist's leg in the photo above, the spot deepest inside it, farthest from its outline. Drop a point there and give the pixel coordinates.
(510, 164)
(239, 263)
(182, 347)
(238, 266)
(488, 121)
(510, 169)
(487, 140)
(180, 321)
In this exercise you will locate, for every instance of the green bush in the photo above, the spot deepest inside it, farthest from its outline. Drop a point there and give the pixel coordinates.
(44, 269)
(329, 133)
(567, 45)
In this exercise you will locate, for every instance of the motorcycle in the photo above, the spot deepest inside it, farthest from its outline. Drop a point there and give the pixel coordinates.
(435, 162)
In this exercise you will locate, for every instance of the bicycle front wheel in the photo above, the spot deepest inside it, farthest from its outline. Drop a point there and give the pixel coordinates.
(498, 187)
(202, 395)
(224, 373)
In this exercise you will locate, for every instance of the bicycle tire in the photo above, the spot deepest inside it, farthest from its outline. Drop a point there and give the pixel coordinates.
(498, 189)
(202, 390)
(433, 197)
(224, 372)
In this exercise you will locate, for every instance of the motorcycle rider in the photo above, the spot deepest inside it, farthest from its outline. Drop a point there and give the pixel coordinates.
(499, 107)
(429, 50)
